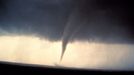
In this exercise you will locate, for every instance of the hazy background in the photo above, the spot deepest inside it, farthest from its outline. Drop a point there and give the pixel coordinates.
(79, 54)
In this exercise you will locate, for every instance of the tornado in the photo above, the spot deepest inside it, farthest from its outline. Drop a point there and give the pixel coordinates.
(69, 34)
(72, 26)
(75, 21)
(69, 29)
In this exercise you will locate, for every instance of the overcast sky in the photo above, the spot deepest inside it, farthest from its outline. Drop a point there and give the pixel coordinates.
(99, 28)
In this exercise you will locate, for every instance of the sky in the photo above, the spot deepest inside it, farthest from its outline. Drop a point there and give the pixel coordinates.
(85, 34)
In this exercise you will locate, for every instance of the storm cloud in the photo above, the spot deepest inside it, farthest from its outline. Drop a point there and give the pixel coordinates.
(39, 17)
(67, 20)
(49, 18)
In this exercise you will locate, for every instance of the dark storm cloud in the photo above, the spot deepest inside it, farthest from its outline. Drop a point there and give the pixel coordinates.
(104, 19)
(43, 17)
(109, 21)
